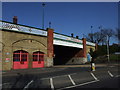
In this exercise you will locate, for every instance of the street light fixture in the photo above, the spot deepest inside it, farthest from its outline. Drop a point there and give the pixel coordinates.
(108, 49)
(43, 5)
(49, 24)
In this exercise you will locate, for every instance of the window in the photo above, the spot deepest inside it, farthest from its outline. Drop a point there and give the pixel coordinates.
(20, 55)
(38, 56)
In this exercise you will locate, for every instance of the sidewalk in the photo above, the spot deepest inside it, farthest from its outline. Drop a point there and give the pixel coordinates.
(83, 65)
(48, 70)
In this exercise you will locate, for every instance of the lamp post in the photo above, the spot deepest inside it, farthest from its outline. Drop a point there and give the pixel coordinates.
(92, 33)
(49, 24)
(108, 49)
(43, 5)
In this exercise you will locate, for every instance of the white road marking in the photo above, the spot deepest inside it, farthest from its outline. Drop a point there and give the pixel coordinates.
(117, 76)
(110, 74)
(71, 80)
(4, 84)
(78, 85)
(51, 83)
(111, 66)
(57, 76)
(94, 76)
(28, 85)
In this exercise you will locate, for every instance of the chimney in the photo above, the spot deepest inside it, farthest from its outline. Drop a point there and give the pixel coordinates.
(72, 34)
(77, 37)
(15, 19)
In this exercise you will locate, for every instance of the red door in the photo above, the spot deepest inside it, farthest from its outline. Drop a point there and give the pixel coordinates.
(38, 59)
(20, 59)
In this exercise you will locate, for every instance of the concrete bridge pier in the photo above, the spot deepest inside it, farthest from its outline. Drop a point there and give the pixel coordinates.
(80, 57)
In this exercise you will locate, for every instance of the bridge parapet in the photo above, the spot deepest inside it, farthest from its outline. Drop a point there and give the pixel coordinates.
(37, 31)
(22, 28)
(90, 43)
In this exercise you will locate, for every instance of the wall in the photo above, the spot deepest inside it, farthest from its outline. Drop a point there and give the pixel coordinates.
(71, 55)
(13, 41)
(90, 47)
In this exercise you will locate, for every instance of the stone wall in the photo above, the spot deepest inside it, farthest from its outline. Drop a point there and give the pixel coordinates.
(12, 41)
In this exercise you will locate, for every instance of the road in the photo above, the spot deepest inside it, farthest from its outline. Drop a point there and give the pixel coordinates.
(106, 83)
(62, 78)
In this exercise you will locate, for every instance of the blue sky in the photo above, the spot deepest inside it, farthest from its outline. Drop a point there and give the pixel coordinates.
(66, 17)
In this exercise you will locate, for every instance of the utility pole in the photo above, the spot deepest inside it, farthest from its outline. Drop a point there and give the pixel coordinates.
(108, 49)
(43, 5)
(49, 24)
(92, 33)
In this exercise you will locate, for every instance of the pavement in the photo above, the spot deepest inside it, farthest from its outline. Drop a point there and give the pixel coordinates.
(58, 77)
(55, 68)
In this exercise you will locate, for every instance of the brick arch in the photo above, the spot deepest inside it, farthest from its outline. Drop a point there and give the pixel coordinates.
(28, 39)
(29, 45)
(2, 45)
(17, 51)
(39, 52)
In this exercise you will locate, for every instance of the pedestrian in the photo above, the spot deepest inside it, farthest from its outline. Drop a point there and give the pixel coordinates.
(92, 64)
(89, 57)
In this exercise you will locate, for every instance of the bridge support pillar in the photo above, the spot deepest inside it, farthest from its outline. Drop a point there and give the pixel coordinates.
(84, 48)
(84, 56)
(81, 56)
(50, 53)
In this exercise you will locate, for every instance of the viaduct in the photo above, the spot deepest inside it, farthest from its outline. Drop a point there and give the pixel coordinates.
(24, 46)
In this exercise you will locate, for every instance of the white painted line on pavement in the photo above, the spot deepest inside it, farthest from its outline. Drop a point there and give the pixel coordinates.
(28, 85)
(111, 66)
(94, 76)
(79, 85)
(51, 83)
(110, 74)
(117, 76)
(57, 76)
(71, 80)
(4, 84)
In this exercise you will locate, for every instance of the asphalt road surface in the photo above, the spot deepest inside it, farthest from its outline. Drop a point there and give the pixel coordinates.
(106, 83)
(64, 78)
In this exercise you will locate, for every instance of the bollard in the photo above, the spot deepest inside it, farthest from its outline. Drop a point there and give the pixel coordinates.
(92, 66)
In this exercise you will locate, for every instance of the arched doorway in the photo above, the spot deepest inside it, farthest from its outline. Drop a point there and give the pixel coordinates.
(38, 59)
(20, 59)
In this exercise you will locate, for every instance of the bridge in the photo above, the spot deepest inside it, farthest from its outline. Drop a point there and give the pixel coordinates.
(39, 48)
(59, 39)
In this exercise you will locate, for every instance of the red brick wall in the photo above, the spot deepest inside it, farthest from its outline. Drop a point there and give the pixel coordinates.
(50, 52)
(84, 47)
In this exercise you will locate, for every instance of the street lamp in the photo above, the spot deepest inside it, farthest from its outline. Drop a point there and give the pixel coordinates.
(49, 24)
(108, 49)
(92, 33)
(43, 5)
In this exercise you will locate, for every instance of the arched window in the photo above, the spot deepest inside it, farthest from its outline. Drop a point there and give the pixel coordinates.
(38, 56)
(20, 55)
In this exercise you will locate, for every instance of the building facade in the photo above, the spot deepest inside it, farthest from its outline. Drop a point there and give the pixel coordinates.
(25, 47)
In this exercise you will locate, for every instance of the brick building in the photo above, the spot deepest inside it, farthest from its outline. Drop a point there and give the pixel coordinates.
(28, 47)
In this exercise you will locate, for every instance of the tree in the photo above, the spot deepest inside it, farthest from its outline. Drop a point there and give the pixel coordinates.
(117, 34)
(89, 37)
(100, 36)
(107, 34)
(96, 37)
